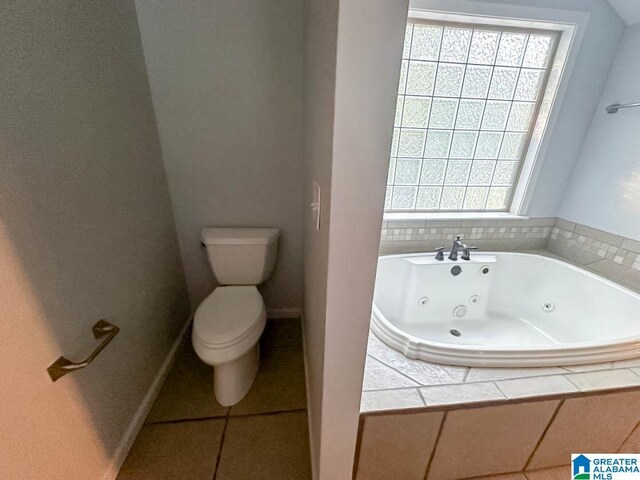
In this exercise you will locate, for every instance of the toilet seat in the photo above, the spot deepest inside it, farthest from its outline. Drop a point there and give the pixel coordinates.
(228, 323)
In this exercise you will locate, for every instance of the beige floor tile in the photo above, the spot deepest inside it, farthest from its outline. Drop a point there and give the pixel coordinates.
(588, 424)
(266, 447)
(281, 332)
(174, 451)
(279, 385)
(557, 473)
(397, 447)
(489, 440)
(188, 390)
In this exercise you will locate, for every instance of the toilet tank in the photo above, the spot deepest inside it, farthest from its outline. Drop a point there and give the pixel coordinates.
(241, 256)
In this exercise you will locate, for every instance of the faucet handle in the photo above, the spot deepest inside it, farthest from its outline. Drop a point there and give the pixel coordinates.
(466, 252)
(439, 253)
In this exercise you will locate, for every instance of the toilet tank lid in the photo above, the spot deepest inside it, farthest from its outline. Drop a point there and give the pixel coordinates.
(239, 236)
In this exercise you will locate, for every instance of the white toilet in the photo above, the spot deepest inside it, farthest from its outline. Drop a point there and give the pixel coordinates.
(228, 323)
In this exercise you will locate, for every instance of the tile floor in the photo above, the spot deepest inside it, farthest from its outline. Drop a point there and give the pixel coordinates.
(189, 436)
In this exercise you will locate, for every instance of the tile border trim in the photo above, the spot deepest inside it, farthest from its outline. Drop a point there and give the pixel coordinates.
(494, 403)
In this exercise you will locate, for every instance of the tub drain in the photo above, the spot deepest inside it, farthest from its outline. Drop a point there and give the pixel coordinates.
(454, 332)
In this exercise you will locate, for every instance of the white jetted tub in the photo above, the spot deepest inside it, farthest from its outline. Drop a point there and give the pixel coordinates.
(503, 310)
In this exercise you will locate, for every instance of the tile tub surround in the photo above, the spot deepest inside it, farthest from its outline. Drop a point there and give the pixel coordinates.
(609, 255)
(521, 440)
(495, 234)
(606, 254)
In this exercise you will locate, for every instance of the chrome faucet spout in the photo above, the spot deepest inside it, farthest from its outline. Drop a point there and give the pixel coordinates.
(456, 248)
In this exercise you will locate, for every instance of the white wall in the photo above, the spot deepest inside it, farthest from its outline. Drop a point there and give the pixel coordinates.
(348, 137)
(587, 80)
(85, 233)
(226, 82)
(604, 191)
(320, 72)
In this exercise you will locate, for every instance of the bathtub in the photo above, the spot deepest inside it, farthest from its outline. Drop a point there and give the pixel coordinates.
(502, 310)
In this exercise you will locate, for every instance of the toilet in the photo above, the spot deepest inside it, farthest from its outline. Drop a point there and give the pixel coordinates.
(228, 323)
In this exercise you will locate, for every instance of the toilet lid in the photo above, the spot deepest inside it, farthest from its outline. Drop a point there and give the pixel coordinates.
(227, 314)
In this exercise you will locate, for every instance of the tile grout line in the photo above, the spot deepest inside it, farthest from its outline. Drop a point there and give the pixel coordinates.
(492, 476)
(497, 385)
(544, 433)
(633, 430)
(520, 472)
(220, 417)
(264, 414)
(424, 402)
(184, 420)
(219, 456)
(435, 445)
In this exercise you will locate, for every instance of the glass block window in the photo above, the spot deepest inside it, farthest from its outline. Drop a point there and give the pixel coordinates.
(467, 103)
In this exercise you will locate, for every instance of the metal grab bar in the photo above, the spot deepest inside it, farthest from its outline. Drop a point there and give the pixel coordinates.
(614, 107)
(63, 365)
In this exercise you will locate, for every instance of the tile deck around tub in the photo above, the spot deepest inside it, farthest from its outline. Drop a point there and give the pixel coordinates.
(395, 382)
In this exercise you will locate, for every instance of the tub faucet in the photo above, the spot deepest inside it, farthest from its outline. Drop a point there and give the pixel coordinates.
(455, 248)
(466, 252)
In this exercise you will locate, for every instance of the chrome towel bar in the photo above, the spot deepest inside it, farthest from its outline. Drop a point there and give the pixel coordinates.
(63, 365)
(614, 107)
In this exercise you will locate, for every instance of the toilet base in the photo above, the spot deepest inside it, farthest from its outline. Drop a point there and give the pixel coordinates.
(233, 380)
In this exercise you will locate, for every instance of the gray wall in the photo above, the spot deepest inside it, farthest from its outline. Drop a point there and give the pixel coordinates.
(320, 79)
(226, 81)
(604, 191)
(587, 80)
(85, 233)
(347, 140)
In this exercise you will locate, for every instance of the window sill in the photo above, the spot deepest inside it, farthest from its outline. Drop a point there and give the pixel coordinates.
(408, 216)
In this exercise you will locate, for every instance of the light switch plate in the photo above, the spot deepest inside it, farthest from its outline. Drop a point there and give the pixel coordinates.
(316, 204)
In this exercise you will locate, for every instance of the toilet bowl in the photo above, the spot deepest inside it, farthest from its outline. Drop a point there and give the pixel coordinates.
(226, 330)
(227, 325)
